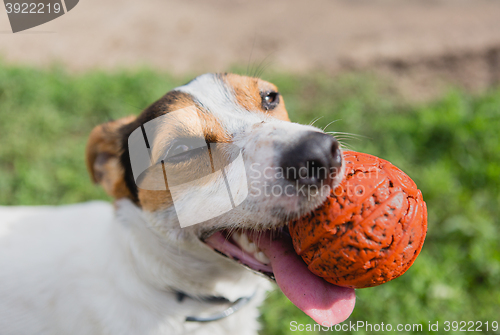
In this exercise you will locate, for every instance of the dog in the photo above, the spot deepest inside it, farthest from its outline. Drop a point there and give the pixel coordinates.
(139, 266)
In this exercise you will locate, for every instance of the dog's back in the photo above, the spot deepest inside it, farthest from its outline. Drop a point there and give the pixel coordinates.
(45, 254)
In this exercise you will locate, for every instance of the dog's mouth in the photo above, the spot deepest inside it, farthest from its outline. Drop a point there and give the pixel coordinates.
(271, 253)
(240, 247)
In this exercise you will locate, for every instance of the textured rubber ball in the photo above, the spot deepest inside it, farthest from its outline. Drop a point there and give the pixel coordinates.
(370, 229)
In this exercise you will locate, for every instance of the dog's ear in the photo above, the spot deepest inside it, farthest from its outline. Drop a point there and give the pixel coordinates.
(103, 157)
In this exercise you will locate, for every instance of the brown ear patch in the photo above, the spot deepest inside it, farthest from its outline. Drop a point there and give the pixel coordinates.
(103, 157)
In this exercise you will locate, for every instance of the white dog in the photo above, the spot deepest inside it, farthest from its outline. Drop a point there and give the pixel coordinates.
(133, 267)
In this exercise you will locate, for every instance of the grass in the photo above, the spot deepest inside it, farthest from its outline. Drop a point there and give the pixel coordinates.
(450, 147)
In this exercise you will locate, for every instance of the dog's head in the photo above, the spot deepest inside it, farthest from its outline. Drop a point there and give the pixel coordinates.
(218, 163)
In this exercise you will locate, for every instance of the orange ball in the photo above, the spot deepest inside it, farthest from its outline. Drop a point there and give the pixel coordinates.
(370, 229)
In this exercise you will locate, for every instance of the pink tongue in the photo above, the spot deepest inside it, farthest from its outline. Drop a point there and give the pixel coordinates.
(325, 303)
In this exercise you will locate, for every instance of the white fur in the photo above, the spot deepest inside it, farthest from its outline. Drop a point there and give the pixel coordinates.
(79, 269)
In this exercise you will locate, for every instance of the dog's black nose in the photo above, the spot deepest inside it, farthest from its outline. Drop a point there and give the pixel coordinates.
(314, 159)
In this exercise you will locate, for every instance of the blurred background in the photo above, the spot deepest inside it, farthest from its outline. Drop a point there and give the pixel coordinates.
(413, 82)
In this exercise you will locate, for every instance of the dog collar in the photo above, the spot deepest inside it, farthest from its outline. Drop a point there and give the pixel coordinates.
(235, 306)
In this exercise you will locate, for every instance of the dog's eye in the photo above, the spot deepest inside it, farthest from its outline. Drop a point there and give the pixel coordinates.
(270, 100)
(179, 149)
(183, 150)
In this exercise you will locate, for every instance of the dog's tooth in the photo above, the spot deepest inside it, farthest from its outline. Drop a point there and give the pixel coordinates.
(243, 242)
(236, 236)
(251, 248)
(261, 257)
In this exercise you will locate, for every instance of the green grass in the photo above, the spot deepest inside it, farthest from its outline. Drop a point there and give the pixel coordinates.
(450, 147)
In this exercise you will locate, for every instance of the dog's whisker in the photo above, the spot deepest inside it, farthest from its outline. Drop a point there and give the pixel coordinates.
(348, 138)
(250, 57)
(330, 124)
(346, 146)
(343, 133)
(265, 64)
(136, 107)
(230, 232)
(315, 120)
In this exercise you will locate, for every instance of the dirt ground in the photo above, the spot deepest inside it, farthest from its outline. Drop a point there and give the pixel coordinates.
(420, 43)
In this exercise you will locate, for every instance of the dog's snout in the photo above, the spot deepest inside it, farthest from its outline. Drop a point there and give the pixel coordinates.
(315, 159)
